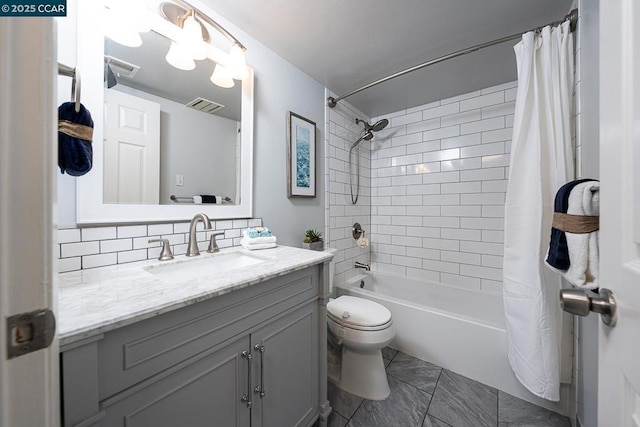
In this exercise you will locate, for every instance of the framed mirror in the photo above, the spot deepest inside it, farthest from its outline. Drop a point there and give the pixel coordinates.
(197, 153)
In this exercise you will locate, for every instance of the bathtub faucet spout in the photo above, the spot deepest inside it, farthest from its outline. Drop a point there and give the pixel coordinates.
(362, 265)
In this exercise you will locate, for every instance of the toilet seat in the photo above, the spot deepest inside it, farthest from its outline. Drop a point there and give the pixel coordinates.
(358, 313)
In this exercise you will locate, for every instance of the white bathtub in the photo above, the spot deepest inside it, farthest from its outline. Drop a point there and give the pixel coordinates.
(461, 330)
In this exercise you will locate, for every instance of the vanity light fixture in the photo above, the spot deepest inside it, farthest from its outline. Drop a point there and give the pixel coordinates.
(222, 77)
(195, 41)
(179, 57)
(190, 40)
(237, 62)
(125, 22)
(193, 36)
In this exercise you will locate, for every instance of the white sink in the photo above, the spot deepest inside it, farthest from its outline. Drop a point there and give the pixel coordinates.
(204, 266)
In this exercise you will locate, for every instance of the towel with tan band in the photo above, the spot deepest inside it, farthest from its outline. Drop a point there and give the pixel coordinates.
(574, 245)
(75, 133)
(577, 224)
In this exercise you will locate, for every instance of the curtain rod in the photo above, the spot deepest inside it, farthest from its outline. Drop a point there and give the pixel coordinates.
(572, 17)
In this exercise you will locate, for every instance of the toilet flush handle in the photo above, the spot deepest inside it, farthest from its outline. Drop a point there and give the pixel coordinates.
(346, 315)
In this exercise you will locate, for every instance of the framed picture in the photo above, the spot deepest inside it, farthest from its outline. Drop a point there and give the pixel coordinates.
(301, 156)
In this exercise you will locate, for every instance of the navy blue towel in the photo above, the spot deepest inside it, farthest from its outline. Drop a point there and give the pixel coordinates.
(75, 133)
(558, 256)
(209, 199)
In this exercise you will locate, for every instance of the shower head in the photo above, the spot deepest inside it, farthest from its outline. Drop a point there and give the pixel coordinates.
(379, 125)
(376, 127)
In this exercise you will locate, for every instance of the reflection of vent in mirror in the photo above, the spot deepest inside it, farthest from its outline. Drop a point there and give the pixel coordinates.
(121, 67)
(205, 105)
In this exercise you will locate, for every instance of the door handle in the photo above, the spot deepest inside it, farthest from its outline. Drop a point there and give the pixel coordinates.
(246, 398)
(581, 302)
(260, 389)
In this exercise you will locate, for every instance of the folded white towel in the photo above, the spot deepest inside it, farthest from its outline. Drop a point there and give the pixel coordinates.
(246, 241)
(254, 246)
(197, 200)
(258, 240)
(584, 271)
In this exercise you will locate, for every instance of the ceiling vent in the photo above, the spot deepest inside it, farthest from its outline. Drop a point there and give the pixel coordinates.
(205, 105)
(120, 67)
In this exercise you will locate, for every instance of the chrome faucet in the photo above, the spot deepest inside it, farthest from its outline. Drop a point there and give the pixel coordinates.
(192, 249)
(362, 265)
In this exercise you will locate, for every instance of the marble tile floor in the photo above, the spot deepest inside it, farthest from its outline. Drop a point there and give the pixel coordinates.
(425, 395)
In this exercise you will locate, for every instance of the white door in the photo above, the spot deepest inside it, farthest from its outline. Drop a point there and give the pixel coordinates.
(28, 117)
(619, 358)
(131, 149)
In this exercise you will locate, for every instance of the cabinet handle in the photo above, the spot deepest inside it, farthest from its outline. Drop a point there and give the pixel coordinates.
(246, 398)
(260, 389)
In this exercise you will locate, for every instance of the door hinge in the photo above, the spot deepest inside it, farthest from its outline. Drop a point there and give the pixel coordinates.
(29, 332)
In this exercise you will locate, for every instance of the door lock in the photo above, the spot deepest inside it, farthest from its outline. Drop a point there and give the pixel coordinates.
(581, 302)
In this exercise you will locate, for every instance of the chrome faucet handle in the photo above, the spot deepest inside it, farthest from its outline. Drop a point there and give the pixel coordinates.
(165, 253)
(213, 244)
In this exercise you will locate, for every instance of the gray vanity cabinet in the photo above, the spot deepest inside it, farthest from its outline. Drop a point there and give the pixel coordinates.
(202, 393)
(286, 380)
(247, 358)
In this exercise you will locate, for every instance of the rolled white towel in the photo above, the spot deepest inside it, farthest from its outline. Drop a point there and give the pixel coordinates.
(584, 271)
(197, 200)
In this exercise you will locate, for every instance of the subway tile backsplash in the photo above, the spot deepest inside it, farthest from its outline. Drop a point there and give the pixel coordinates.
(438, 183)
(91, 247)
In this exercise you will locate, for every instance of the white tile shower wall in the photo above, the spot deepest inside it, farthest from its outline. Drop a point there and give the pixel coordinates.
(341, 132)
(438, 184)
(81, 248)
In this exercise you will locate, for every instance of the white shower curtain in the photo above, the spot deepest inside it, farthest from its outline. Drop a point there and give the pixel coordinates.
(541, 162)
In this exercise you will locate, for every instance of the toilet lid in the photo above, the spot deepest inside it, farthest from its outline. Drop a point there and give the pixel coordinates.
(358, 311)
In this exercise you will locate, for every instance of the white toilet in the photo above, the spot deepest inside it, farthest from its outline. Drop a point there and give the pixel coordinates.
(361, 328)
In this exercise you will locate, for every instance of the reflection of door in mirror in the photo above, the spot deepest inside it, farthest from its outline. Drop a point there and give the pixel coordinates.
(131, 149)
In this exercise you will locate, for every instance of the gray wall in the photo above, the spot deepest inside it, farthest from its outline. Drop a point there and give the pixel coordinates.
(589, 157)
(199, 146)
(279, 87)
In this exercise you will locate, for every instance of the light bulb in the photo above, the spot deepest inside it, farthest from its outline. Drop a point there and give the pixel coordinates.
(121, 30)
(179, 58)
(192, 38)
(237, 63)
(221, 77)
(138, 14)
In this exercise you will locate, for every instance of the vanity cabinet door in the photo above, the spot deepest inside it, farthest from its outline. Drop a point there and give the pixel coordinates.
(205, 390)
(287, 370)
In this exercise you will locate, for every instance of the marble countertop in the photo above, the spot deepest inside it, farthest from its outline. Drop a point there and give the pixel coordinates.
(95, 301)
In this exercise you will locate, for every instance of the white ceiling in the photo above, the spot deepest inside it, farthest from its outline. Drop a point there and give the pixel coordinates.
(345, 44)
